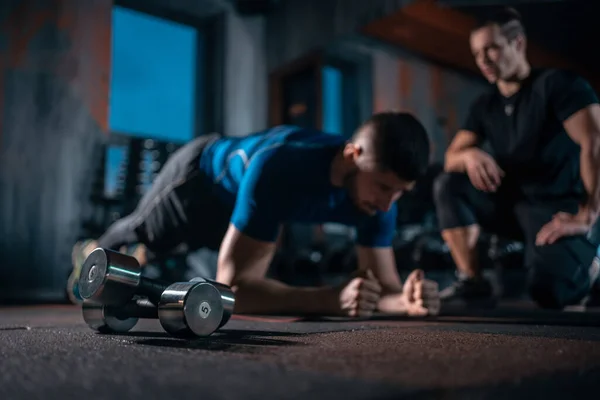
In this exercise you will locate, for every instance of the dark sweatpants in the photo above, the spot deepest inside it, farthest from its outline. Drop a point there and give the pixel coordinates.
(559, 273)
(180, 212)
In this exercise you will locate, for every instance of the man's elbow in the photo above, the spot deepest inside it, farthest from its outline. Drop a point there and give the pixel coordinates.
(226, 273)
(590, 145)
(229, 275)
(595, 143)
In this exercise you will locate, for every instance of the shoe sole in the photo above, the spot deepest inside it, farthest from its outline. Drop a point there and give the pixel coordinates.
(594, 271)
(75, 272)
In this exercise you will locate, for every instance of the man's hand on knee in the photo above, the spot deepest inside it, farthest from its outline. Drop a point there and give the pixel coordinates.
(562, 225)
(483, 171)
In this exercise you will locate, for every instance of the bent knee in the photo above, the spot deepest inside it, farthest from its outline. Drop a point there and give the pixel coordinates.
(558, 278)
(447, 185)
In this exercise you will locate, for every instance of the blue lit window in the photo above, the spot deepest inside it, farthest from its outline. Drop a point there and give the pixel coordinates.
(332, 100)
(153, 78)
(154, 84)
(115, 159)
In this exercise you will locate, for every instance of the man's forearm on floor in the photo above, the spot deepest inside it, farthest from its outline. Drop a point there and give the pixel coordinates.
(268, 296)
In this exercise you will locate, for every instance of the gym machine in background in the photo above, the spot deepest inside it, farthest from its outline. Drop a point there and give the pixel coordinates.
(125, 171)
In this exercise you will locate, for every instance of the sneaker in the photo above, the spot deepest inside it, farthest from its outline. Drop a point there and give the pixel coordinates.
(470, 293)
(595, 272)
(78, 256)
(593, 299)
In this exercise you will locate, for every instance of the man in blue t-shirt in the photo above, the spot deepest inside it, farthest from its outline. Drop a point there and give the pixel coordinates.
(234, 194)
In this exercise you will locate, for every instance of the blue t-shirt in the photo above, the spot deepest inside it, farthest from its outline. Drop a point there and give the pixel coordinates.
(282, 175)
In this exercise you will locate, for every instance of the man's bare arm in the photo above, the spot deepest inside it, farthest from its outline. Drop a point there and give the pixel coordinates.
(455, 160)
(584, 128)
(417, 296)
(382, 262)
(243, 264)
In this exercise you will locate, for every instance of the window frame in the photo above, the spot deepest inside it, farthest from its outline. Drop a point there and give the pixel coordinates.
(357, 86)
(209, 91)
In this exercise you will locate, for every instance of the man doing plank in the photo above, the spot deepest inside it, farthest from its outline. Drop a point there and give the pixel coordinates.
(234, 194)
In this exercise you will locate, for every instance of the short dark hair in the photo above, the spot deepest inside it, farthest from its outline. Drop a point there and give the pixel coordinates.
(399, 142)
(507, 18)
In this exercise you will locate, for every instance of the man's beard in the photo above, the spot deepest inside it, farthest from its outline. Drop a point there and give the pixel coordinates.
(349, 183)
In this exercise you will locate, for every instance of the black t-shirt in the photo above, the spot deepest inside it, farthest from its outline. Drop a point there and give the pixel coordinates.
(526, 134)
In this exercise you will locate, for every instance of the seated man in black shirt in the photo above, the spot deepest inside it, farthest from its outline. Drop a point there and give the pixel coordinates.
(539, 183)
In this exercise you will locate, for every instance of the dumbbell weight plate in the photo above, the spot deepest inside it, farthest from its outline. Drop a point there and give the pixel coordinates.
(227, 298)
(109, 277)
(190, 308)
(99, 318)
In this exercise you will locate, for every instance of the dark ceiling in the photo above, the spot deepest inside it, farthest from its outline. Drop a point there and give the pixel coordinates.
(568, 27)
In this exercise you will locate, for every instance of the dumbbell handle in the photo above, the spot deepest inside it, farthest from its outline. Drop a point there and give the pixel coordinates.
(152, 288)
(140, 308)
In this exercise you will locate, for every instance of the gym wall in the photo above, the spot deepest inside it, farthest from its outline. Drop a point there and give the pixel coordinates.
(439, 97)
(400, 80)
(55, 66)
(297, 27)
(54, 75)
(245, 83)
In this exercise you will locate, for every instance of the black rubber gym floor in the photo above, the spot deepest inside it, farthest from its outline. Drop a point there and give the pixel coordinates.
(48, 352)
